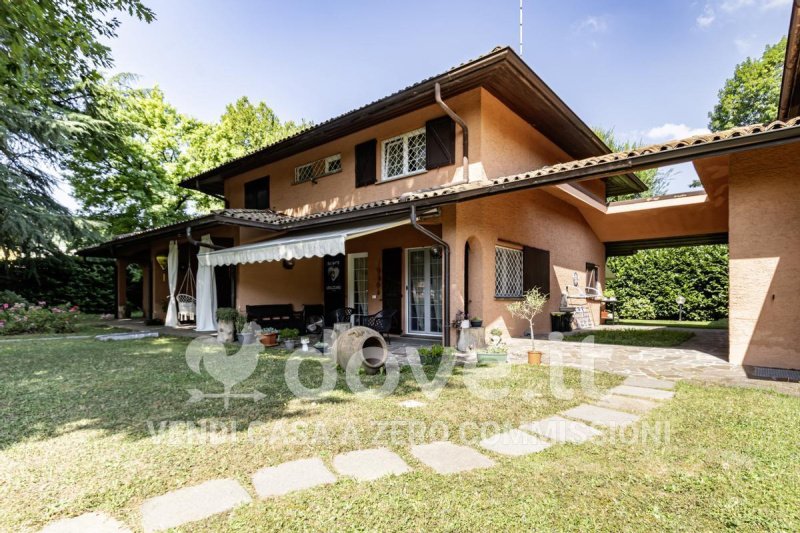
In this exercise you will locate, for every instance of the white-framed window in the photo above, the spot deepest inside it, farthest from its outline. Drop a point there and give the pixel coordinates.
(317, 169)
(508, 272)
(403, 155)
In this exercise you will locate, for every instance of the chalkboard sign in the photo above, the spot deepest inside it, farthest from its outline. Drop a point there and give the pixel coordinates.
(333, 271)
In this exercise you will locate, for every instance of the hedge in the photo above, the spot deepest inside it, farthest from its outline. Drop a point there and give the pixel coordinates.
(87, 283)
(698, 273)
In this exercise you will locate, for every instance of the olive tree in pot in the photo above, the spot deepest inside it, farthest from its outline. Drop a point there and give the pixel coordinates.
(531, 305)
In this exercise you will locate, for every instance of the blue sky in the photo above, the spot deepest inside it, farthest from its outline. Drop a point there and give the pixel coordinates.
(649, 69)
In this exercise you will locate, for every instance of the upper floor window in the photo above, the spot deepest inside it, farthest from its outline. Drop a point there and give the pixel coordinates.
(256, 194)
(404, 155)
(317, 169)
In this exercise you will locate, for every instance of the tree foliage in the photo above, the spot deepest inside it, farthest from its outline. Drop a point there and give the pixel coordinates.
(656, 179)
(698, 273)
(752, 94)
(51, 54)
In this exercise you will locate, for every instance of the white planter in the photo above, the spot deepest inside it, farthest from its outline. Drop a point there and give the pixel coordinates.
(465, 324)
(226, 331)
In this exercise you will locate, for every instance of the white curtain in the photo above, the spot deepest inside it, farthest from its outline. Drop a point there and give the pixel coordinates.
(206, 311)
(172, 277)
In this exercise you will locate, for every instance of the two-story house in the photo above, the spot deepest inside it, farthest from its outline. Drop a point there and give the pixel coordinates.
(457, 193)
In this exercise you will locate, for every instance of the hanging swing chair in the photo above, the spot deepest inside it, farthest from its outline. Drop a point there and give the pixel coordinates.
(185, 297)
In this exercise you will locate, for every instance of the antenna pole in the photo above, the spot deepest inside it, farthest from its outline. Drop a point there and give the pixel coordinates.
(520, 28)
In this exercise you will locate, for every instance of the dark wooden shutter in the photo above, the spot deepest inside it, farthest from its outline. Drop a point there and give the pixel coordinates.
(366, 163)
(440, 142)
(535, 269)
(256, 194)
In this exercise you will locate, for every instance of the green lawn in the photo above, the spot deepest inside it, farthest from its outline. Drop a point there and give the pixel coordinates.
(75, 439)
(722, 323)
(634, 337)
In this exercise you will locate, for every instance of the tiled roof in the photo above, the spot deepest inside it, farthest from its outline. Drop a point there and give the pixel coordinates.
(264, 216)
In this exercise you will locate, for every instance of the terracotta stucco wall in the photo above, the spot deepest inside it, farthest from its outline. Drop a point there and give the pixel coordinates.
(529, 218)
(764, 198)
(270, 283)
(338, 190)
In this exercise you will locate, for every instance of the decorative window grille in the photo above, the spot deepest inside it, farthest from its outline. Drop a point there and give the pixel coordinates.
(508, 272)
(404, 155)
(318, 169)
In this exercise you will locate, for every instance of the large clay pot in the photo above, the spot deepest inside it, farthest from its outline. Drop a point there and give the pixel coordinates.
(534, 357)
(269, 339)
(364, 343)
(226, 332)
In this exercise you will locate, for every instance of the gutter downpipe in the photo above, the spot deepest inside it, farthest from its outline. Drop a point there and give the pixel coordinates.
(446, 249)
(199, 243)
(437, 90)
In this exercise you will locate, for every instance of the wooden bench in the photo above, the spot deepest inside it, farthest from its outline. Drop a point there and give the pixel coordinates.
(276, 316)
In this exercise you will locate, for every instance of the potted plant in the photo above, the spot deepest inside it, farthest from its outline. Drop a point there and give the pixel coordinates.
(493, 354)
(531, 305)
(495, 336)
(248, 331)
(476, 322)
(461, 320)
(269, 337)
(227, 317)
(288, 336)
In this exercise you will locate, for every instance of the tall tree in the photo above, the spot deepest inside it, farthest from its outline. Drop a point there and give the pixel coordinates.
(656, 179)
(50, 54)
(752, 94)
(131, 180)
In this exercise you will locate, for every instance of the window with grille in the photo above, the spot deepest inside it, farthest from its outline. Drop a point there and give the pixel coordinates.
(508, 272)
(404, 155)
(317, 169)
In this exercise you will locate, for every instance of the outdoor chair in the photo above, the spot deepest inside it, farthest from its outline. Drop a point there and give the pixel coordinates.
(343, 314)
(380, 322)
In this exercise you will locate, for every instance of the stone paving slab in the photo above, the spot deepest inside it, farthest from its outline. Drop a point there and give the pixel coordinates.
(192, 503)
(367, 465)
(412, 404)
(600, 415)
(291, 476)
(626, 403)
(642, 392)
(650, 383)
(448, 458)
(562, 430)
(89, 522)
(514, 443)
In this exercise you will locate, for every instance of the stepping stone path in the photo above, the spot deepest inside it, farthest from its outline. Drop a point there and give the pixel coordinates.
(94, 522)
(192, 503)
(601, 416)
(642, 392)
(448, 458)
(514, 443)
(291, 476)
(367, 465)
(562, 430)
(626, 403)
(636, 394)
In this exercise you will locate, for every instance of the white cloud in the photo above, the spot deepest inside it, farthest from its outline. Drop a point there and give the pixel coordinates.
(745, 45)
(774, 4)
(707, 17)
(735, 5)
(592, 24)
(673, 131)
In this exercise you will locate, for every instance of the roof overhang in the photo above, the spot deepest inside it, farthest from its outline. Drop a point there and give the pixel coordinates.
(790, 88)
(501, 72)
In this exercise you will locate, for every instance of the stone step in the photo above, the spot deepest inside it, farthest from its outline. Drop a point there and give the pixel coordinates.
(292, 476)
(626, 403)
(514, 443)
(642, 392)
(560, 429)
(649, 383)
(94, 522)
(448, 458)
(601, 416)
(192, 503)
(367, 465)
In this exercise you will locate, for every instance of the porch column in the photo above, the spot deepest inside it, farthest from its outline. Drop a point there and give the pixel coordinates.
(147, 290)
(121, 271)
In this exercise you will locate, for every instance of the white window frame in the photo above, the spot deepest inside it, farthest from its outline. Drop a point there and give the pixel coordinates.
(351, 285)
(521, 281)
(405, 173)
(325, 162)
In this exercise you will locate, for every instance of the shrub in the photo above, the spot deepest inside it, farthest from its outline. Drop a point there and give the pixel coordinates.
(638, 309)
(11, 298)
(21, 318)
(289, 333)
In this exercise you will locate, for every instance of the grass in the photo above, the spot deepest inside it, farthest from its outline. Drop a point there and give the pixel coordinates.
(660, 338)
(85, 325)
(75, 439)
(721, 323)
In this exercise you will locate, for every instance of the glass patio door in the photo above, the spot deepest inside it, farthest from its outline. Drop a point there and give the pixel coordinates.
(424, 291)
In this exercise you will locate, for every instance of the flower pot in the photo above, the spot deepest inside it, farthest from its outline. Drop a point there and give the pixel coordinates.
(465, 324)
(269, 339)
(491, 358)
(289, 344)
(225, 331)
(247, 338)
(534, 357)
(476, 323)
